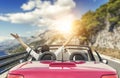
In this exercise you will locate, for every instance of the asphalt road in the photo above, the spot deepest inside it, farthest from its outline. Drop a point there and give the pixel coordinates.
(115, 65)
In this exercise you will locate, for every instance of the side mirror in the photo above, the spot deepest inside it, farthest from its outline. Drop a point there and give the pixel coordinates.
(104, 61)
(21, 60)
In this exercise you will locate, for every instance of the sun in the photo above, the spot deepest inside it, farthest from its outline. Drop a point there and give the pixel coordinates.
(64, 24)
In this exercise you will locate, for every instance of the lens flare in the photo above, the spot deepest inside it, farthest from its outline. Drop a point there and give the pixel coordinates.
(64, 24)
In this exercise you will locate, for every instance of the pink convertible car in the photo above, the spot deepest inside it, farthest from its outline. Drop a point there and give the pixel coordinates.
(80, 63)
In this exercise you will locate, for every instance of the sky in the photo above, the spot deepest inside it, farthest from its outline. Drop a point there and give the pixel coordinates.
(31, 17)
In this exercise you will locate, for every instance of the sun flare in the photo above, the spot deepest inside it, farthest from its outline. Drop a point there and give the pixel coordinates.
(64, 24)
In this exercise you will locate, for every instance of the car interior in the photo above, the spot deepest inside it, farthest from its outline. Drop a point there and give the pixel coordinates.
(75, 56)
(47, 56)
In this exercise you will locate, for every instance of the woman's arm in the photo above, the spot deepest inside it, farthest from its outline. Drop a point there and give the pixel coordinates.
(28, 49)
(61, 49)
(17, 37)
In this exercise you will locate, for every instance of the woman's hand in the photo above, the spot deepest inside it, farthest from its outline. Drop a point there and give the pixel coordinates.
(16, 36)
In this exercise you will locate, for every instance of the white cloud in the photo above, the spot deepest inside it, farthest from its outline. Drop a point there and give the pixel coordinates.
(28, 17)
(4, 18)
(28, 6)
(43, 14)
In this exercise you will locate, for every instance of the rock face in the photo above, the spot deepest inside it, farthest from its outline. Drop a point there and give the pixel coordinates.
(108, 39)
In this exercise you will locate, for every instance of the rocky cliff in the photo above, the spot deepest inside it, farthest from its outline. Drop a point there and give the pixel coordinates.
(108, 39)
(103, 27)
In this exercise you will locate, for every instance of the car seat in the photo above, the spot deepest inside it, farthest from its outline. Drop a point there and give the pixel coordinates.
(47, 56)
(78, 56)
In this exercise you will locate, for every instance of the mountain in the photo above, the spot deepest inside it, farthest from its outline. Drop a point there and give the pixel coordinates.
(47, 37)
(9, 44)
(101, 28)
(109, 36)
(108, 39)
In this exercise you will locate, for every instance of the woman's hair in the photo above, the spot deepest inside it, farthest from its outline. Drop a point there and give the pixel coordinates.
(45, 48)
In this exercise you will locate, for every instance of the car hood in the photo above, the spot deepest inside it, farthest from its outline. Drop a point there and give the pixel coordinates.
(62, 69)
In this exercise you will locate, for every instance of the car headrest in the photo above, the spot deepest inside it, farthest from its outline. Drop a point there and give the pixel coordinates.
(78, 56)
(47, 56)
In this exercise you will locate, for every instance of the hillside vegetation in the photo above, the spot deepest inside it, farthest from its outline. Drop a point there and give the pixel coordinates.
(93, 22)
(105, 23)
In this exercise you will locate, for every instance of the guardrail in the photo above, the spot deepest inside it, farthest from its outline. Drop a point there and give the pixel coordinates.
(8, 61)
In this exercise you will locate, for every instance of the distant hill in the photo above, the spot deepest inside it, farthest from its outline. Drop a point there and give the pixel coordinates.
(47, 37)
(10, 44)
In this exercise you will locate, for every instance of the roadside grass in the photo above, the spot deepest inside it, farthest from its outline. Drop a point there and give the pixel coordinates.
(108, 51)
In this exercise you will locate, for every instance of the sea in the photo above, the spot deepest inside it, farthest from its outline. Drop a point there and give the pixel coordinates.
(2, 53)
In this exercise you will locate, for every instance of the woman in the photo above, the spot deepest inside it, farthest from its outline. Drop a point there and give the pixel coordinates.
(32, 52)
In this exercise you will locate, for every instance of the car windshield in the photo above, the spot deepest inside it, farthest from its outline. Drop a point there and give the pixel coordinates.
(73, 53)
